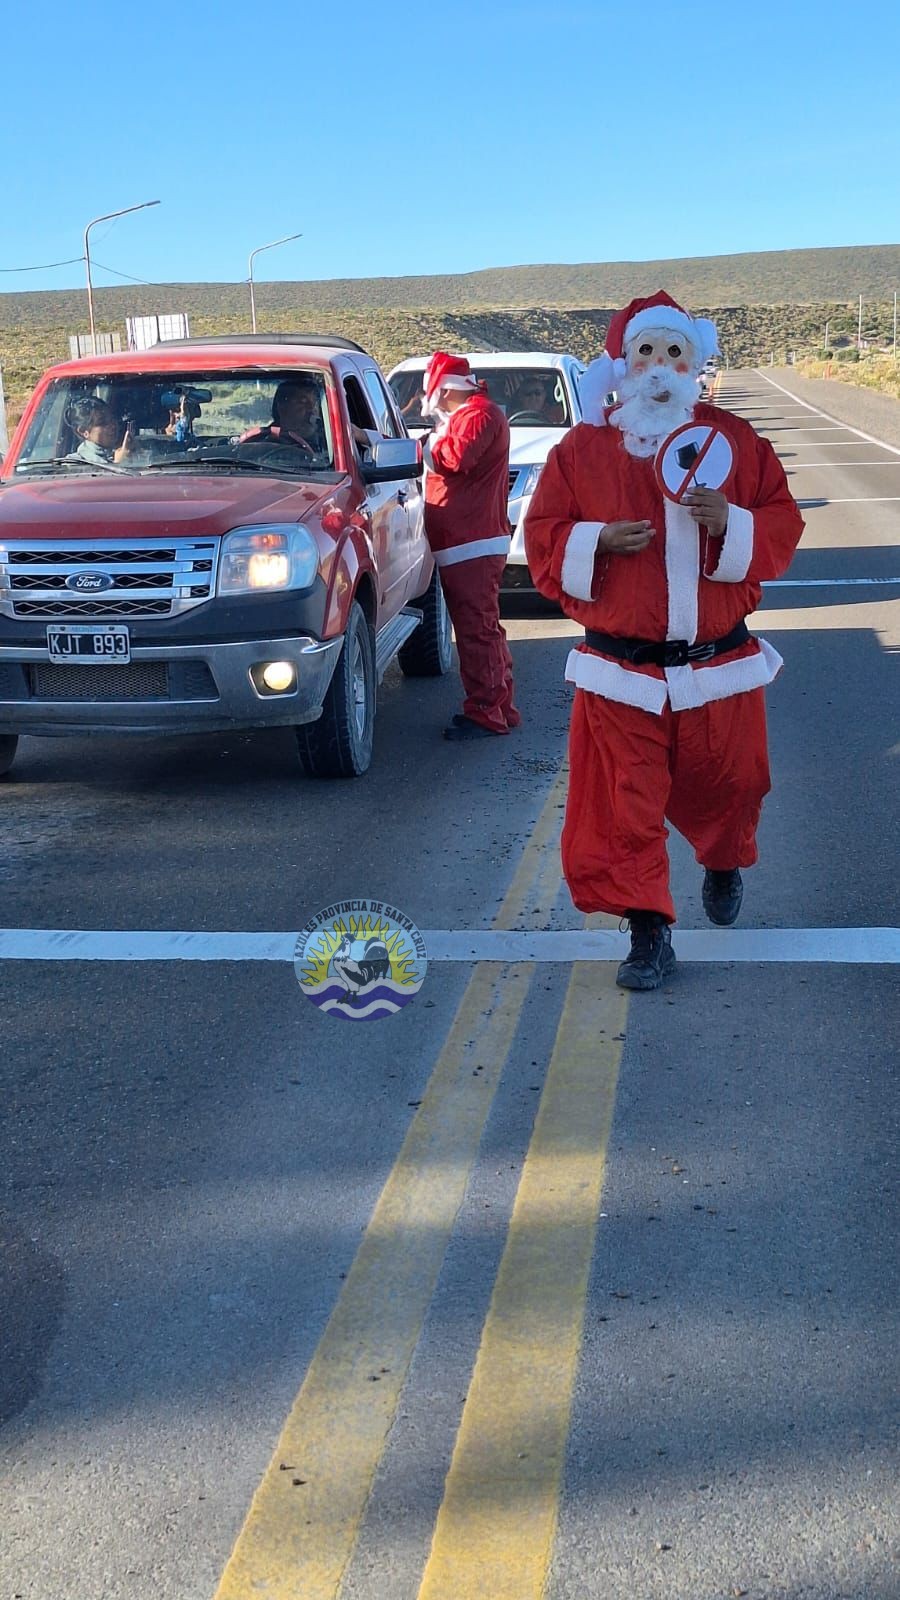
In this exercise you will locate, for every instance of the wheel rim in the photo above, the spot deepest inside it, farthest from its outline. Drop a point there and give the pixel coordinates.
(360, 691)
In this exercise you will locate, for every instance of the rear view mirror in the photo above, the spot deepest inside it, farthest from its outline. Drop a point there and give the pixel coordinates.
(393, 458)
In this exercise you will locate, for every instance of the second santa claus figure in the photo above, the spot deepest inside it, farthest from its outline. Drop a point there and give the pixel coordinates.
(669, 719)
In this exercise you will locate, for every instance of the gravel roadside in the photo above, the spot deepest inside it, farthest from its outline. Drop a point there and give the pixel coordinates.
(874, 413)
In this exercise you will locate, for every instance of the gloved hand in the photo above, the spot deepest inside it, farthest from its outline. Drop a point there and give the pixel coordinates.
(597, 381)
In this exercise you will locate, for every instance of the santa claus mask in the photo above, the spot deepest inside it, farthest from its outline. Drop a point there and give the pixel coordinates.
(659, 391)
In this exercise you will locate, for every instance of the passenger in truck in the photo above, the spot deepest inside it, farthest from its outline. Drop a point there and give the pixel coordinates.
(105, 441)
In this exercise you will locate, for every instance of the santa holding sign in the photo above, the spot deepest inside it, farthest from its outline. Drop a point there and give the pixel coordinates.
(653, 525)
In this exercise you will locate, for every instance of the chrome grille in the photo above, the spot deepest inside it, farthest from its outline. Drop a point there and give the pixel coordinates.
(513, 475)
(149, 579)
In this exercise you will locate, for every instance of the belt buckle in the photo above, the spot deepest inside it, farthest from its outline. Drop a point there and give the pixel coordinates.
(702, 652)
(676, 653)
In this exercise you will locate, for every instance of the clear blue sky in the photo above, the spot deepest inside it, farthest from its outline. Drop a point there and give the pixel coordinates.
(421, 139)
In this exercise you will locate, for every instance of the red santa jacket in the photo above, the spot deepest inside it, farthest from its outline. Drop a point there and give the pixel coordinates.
(684, 585)
(467, 485)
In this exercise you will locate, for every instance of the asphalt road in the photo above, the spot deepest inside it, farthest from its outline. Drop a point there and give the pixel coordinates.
(224, 1214)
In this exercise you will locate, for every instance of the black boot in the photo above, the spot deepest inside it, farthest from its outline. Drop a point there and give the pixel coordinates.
(722, 896)
(463, 727)
(651, 957)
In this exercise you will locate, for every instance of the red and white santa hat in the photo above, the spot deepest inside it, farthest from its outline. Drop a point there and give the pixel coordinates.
(447, 372)
(661, 311)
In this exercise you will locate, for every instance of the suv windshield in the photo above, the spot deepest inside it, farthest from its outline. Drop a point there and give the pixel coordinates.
(137, 422)
(531, 397)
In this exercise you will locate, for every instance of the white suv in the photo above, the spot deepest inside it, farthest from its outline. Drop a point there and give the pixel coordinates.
(539, 394)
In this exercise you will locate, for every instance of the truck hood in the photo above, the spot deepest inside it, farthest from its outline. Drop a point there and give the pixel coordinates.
(155, 507)
(531, 445)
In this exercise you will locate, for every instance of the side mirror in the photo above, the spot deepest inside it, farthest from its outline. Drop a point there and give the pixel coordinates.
(393, 458)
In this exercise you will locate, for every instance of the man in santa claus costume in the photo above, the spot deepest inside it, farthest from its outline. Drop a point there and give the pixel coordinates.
(668, 721)
(466, 521)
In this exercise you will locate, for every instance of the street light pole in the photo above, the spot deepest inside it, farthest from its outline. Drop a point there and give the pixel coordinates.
(87, 254)
(256, 252)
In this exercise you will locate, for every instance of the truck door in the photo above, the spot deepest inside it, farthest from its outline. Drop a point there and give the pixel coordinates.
(386, 508)
(390, 427)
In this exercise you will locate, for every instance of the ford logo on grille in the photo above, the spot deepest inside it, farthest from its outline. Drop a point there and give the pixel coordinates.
(89, 582)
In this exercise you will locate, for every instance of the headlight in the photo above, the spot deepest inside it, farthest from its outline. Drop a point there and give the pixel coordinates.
(531, 478)
(270, 556)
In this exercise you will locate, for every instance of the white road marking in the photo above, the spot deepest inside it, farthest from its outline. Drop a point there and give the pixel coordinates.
(804, 466)
(853, 946)
(854, 500)
(871, 437)
(823, 583)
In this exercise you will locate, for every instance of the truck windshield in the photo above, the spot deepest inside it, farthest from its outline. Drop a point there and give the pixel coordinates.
(132, 422)
(530, 397)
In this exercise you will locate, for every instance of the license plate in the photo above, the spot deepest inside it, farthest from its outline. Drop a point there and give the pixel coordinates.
(81, 642)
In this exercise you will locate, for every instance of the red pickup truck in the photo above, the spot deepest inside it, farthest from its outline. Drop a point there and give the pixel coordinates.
(213, 534)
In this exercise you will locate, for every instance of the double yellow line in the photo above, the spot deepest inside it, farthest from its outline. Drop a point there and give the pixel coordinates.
(499, 1508)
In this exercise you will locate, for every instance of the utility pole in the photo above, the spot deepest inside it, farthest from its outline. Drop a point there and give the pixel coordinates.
(827, 325)
(256, 252)
(859, 327)
(895, 324)
(107, 217)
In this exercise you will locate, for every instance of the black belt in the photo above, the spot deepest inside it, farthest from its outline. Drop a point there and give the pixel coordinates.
(665, 652)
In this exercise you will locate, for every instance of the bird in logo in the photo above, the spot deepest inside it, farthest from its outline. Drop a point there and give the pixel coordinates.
(355, 975)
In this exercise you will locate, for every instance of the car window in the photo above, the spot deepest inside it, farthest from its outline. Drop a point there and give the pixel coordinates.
(357, 405)
(530, 397)
(132, 422)
(384, 416)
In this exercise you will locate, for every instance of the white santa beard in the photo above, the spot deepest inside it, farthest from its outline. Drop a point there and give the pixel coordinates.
(643, 420)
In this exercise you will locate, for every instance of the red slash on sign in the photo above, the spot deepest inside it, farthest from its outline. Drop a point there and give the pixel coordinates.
(682, 454)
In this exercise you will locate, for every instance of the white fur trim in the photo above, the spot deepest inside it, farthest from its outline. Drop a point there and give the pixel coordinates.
(427, 457)
(455, 553)
(737, 547)
(682, 571)
(456, 381)
(615, 682)
(667, 317)
(697, 686)
(598, 380)
(701, 333)
(685, 687)
(577, 576)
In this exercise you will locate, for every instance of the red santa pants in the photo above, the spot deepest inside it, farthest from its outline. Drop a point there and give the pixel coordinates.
(706, 771)
(472, 591)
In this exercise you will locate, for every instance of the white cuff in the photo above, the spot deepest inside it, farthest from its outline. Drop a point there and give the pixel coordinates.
(736, 547)
(577, 576)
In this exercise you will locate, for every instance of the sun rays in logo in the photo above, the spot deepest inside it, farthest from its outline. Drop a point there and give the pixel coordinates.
(321, 949)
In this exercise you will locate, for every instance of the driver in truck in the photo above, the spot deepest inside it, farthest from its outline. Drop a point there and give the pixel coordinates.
(532, 398)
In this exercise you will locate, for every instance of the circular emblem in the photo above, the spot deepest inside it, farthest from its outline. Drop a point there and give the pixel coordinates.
(89, 582)
(360, 959)
(697, 455)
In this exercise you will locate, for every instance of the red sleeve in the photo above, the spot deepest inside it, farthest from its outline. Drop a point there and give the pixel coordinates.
(462, 447)
(760, 538)
(561, 548)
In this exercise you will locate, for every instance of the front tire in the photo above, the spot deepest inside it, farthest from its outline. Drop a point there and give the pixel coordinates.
(428, 653)
(340, 744)
(8, 744)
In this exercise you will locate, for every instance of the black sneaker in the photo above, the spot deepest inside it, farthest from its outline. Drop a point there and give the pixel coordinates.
(722, 896)
(651, 957)
(463, 727)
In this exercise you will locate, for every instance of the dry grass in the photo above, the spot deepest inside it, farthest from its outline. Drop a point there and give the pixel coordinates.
(880, 372)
